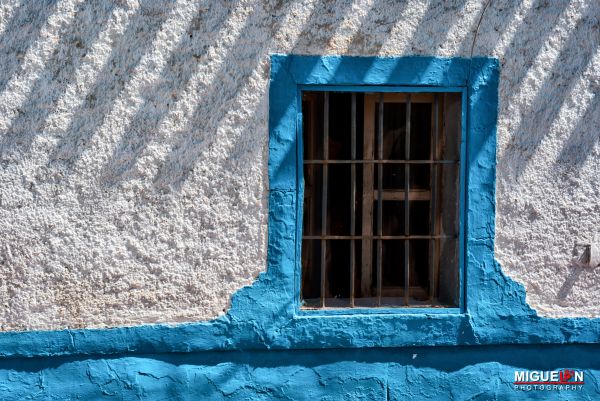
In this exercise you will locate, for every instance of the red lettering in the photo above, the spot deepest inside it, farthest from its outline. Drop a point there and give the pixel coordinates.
(565, 375)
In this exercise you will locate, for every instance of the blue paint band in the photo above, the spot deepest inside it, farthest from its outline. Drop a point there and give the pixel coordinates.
(429, 373)
(265, 314)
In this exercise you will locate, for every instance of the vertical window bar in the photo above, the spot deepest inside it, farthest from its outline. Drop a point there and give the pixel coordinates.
(352, 197)
(324, 198)
(433, 263)
(379, 197)
(406, 203)
(366, 266)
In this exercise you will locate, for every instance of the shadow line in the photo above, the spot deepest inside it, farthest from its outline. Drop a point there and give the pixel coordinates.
(186, 151)
(442, 358)
(58, 73)
(584, 137)
(21, 31)
(111, 81)
(159, 100)
(361, 43)
(530, 36)
(570, 281)
(425, 41)
(551, 96)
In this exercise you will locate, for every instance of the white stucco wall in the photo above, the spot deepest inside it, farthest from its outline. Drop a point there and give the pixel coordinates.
(133, 144)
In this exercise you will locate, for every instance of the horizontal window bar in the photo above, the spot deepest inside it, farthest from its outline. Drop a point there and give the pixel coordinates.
(307, 312)
(400, 195)
(375, 237)
(381, 161)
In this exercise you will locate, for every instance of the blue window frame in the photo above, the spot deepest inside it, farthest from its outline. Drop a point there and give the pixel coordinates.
(356, 74)
(292, 74)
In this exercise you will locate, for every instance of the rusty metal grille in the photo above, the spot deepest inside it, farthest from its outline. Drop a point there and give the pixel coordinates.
(380, 216)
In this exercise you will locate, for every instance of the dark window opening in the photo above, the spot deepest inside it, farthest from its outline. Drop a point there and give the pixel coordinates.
(381, 193)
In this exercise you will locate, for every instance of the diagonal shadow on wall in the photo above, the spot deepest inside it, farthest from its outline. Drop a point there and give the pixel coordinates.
(27, 20)
(186, 151)
(50, 85)
(550, 97)
(161, 98)
(584, 137)
(433, 28)
(533, 31)
(363, 41)
(110, 83)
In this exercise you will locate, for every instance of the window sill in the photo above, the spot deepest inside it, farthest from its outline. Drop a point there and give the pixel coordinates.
(400, 312)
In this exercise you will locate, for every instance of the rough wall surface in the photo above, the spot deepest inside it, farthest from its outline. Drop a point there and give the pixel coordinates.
(394, 374)
(133, 144)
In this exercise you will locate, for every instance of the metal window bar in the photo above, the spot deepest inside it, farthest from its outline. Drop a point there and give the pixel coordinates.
(406, 203)
(366, 278)
(324, 196)
(377, 161)
(352, 196)
(433, 202)
(377, 237)
(379, 199)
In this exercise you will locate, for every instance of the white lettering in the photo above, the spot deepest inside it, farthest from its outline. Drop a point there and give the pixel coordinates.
(578, 376)
(534, 376)
(520, 376)
(554, 376)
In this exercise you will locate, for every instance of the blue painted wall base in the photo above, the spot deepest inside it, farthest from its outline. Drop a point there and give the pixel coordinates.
(427, 373)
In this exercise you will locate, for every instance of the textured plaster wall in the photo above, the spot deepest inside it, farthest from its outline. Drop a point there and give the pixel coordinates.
(133, 144)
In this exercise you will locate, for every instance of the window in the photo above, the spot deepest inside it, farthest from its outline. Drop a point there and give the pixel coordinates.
(487, 306)
(381, 198)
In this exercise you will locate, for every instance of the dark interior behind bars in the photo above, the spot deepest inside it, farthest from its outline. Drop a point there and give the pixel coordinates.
(381, 193)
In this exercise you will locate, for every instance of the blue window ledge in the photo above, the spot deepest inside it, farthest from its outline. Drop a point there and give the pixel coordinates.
(265, 315)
